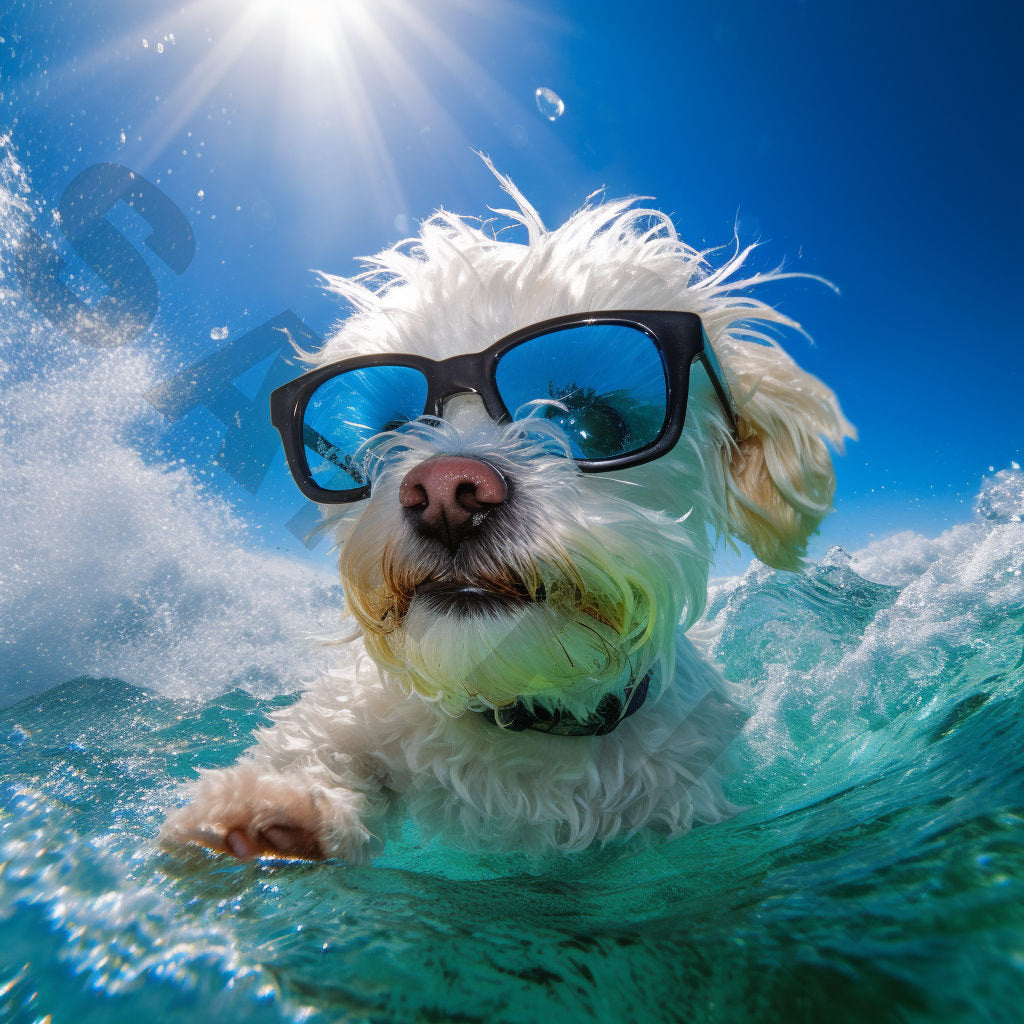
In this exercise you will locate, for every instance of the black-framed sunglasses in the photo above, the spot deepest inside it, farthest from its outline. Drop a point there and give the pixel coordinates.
(615, 382)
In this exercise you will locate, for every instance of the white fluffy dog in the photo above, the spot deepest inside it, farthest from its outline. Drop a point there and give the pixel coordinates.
(520, 677)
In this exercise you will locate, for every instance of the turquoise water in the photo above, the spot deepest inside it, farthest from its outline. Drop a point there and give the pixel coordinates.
(877, 876)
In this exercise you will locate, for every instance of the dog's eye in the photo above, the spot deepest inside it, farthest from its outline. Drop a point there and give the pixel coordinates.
(593, 424)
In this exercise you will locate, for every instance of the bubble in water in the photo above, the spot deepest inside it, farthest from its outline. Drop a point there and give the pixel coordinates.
(145, 44)
(549, 103)
(124, 138)
(218, 333)
(200, 194)
(159, 47)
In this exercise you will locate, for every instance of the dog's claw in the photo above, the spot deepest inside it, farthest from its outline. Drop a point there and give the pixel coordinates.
(293, 842)
(239, 844)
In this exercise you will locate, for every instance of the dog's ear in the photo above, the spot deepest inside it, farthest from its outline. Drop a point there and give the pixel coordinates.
(779, 474)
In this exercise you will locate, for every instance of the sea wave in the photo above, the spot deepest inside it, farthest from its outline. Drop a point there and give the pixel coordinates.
(117, 560)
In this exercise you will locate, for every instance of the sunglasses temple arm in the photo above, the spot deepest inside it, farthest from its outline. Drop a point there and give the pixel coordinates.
(724, 397)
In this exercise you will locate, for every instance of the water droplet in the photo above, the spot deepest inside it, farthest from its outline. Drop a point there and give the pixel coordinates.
(549, 103)
(159, 47)
(145, 44)
(218, 333)
(200, 194)
(124, 138)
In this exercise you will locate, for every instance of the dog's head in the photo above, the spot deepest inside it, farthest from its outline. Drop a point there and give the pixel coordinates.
(486, 563)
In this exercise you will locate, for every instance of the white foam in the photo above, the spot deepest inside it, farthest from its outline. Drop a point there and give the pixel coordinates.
(960, 584)
(1002, 497)
(115, 566)
(946, 632)
(112, 563)
(906, 556)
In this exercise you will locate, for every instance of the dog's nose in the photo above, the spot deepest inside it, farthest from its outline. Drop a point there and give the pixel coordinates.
(451, 496)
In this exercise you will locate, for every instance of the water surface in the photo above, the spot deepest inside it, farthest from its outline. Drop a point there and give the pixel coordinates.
(878, 874)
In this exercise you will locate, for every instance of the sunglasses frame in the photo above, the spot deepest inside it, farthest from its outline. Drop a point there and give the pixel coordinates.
(679, 337)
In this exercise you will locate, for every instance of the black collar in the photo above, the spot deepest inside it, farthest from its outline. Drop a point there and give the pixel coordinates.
(612, 709)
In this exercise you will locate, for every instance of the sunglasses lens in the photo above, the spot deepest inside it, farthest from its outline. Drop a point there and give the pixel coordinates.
(603, 384)
(347, 411)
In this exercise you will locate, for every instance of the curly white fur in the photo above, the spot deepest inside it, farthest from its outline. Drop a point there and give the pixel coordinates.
(622, 559)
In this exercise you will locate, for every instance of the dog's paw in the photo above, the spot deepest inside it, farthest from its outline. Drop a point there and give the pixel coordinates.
(247, 812)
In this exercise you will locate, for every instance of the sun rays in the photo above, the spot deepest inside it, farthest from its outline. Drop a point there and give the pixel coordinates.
(348, 85)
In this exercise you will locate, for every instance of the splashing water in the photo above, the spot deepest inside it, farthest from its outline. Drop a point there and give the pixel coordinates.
(878, 872)
(116, 561)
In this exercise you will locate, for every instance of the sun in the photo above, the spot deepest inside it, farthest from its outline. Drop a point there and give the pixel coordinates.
(319, 27)
(354, 80)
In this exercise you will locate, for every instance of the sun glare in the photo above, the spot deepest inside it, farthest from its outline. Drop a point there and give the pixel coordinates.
(359, 81)
(316, 25)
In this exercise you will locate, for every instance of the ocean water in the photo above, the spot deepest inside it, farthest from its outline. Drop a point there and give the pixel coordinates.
(878, 873)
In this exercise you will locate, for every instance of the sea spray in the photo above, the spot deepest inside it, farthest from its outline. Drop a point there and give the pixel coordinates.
(118, 560)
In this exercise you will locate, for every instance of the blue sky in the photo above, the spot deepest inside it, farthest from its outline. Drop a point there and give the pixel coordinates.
(875, 144)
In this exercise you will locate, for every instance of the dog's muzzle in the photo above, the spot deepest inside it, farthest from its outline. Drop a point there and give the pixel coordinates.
(447, 501)
(449, 498)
